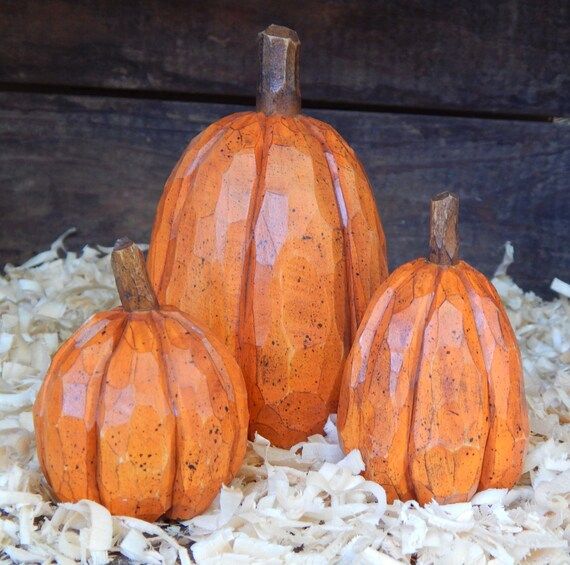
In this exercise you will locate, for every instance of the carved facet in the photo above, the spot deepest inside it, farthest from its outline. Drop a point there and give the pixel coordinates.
(444, 233)
(278, 86)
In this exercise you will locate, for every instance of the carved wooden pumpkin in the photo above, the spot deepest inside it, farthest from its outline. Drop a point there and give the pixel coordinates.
(140, 409)
(432, 391)
(268, 234)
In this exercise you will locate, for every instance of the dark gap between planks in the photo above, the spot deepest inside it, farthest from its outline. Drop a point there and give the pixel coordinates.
(249, 101)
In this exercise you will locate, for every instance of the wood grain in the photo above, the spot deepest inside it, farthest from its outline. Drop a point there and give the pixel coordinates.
(100, 164)
(131, 278)
(278, 85)
(494, 56)
(444, 229)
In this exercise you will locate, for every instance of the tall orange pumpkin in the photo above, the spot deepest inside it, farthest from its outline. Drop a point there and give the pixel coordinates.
(432, 392)
(140, 409)
(267, 233)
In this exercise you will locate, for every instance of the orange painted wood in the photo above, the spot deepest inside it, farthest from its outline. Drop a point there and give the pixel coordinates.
(432, 391)
(141, 409)
(268, 234)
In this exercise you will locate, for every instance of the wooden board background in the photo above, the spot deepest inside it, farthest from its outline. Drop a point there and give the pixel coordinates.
(98, 98)
(100, 163)
(492, 55)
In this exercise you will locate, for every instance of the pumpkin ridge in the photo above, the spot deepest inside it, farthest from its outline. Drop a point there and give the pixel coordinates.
(361, 415)
(309, 132)
(478, 358)
(436, 455)
(414, 382)
(192, 466)
(483, 289)
(171, 186)
(429, 314)
(169, 371)
(352, 408)
(342, 212)
(481, 286)
(111, 493)
(158, 325)
(100, 397)
(389, 306)
(154, 315)
(358, 167)
(175, 215)
(224, 378)
(248, 269)
(55, 373)
(469, 291)
(208, 133)
(231, 395)
(484, 284)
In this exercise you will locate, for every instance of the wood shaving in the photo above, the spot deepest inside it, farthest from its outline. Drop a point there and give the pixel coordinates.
(305, 505)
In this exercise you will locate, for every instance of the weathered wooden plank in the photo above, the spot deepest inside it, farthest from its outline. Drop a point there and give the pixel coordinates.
(100, 163)
(502, 56)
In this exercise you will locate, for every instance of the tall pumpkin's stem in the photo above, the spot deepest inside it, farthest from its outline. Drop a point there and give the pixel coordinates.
(131, 277)
(443, 229)
(278, 89)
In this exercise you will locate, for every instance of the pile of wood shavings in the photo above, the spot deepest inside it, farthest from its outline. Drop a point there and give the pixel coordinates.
(306, 505)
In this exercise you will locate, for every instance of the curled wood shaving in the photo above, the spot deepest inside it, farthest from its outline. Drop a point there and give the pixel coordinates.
(305, 505)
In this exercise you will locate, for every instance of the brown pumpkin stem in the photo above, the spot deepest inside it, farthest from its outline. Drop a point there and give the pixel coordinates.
(131, 277)
(443, 229)
(278, 89)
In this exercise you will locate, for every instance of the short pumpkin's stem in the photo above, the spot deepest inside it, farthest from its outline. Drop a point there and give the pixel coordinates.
(443, 229)
(131, 277)
(278, 89)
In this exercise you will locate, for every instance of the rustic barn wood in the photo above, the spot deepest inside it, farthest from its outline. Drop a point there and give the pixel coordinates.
(507, 56)
(100, 164)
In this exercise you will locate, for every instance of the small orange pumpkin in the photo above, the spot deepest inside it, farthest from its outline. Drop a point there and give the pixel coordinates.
(268, 234)
(432, 392)
(140, 409)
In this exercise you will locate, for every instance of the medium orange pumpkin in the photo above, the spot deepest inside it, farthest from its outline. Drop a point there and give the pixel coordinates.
(268, 234)
(141, 410)
(432, 392)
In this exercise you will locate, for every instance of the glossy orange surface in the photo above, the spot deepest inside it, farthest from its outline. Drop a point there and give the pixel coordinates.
(432, 391)
(268, 234)
(142, 412)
